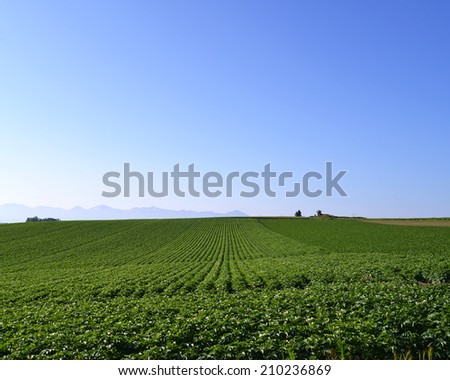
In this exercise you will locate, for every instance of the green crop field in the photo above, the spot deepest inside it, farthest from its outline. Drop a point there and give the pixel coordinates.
(237, 288)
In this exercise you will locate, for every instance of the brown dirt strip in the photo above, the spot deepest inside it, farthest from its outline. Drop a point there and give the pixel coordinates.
(411, 222)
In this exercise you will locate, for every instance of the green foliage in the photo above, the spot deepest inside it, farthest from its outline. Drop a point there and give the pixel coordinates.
(36, 219)
(224, 289)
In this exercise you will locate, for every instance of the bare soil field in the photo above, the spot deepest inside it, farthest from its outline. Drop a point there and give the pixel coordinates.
(413, 222)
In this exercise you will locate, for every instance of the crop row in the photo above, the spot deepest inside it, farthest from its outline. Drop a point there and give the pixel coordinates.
(224, 288)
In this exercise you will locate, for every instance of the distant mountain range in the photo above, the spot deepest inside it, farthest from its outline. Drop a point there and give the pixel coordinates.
(19, 213)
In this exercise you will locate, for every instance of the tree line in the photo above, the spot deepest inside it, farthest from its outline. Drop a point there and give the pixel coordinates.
(36, 219)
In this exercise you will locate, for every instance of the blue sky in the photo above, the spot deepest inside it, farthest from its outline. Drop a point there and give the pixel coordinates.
(230, 86)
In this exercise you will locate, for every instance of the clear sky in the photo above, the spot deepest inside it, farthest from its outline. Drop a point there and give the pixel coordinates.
(229, 86)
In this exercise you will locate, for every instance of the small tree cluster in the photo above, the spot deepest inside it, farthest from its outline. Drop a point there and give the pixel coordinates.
(298, 213)
(36, 219)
